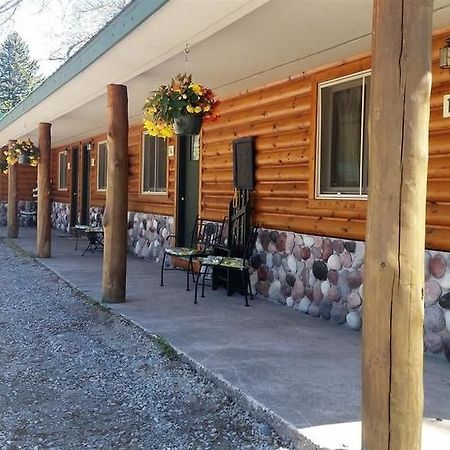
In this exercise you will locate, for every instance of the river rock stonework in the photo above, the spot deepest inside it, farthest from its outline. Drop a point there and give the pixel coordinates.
(324, 277)
(25, 220)
(61, 216)
(96, 216)
(147, 235)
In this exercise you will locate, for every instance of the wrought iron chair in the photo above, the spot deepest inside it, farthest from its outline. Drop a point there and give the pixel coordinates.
(230, 263)
(205, 235)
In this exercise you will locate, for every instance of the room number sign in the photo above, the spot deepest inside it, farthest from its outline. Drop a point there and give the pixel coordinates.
(446, 105)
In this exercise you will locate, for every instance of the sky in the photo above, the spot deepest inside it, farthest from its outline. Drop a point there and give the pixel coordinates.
(38, 29)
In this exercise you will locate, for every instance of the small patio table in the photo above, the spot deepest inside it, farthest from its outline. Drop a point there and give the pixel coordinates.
(78, 231)
(95, 239)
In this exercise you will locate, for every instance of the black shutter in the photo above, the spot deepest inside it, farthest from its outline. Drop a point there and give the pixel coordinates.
(243, 166)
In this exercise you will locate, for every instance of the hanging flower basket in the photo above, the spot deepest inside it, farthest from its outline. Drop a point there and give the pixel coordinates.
(3, 162)
(188, 124)
(24, 159)
(179, 108)
(22, 152)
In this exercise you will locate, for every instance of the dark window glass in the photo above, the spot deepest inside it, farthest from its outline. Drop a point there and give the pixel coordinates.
(62, 174)
(102, 166)
(343, 137)
(154, 165)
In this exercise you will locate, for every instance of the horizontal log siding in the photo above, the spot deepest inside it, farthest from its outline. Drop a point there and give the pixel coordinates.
(27, 180)
(282, 118)
(149, 203)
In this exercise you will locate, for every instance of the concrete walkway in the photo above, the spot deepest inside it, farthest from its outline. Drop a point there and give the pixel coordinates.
(304, 369)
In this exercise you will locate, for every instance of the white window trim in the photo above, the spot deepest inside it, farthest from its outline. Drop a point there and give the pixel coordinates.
(59, 171)
(142, 170)
(320, 86)
(98, 164)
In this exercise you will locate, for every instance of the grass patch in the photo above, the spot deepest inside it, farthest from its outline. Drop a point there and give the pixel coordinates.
(165, 347)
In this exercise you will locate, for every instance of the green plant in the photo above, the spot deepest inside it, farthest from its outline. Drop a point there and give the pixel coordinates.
(3, 162)
(166, 348)
(180, 97)
(17, 148)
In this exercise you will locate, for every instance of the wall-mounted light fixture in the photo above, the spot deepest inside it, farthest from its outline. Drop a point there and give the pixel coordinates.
(444, 53)
(89, 146)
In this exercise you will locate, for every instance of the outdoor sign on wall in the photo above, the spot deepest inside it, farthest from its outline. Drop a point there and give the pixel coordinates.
(446, 105)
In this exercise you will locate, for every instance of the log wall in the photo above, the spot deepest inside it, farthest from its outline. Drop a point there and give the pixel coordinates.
(27, 176)
(162, 204)
(282, 118)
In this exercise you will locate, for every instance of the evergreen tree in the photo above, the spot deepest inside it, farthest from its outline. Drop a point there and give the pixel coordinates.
(18, 72)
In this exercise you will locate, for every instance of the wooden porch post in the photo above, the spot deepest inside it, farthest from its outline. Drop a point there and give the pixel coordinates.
(392, 363)
(13, 186)
(115, 218)
(43, 241)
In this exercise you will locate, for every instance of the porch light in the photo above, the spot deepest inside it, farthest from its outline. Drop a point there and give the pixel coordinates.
(444, 53)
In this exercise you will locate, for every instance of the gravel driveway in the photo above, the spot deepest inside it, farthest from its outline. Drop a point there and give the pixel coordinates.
(75, 376)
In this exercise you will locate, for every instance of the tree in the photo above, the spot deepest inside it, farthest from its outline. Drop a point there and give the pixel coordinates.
(96, 13)
(18, 72)
(78, 20)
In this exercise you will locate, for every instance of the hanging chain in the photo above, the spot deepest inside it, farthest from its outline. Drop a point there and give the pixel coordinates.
(186, 56)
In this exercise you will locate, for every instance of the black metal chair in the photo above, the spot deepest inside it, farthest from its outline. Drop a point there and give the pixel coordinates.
(230, 263)
(204, 236)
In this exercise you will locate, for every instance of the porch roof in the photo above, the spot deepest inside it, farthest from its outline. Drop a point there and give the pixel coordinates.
(235, 45)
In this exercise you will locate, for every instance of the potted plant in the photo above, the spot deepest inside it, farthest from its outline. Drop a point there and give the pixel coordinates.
(22, 152)
(179, 108)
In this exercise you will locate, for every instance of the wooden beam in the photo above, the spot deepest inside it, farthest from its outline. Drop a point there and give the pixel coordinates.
(44, 222)
(392, 355)
(13, 187)
(115, 217)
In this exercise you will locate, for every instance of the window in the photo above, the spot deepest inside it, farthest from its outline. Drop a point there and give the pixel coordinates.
(154, 164)
(62, 171)
(102, 164)
(342, 137)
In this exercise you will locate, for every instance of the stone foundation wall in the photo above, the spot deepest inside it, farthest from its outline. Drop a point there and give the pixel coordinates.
(61, 216)
(147, 234)
(323, 277)
(24, 220)
(96, 216)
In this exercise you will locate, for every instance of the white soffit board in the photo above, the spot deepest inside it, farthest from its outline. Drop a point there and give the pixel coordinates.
(251, 44)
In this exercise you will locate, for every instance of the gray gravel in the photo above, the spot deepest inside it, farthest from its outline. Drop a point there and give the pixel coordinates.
(73, 375)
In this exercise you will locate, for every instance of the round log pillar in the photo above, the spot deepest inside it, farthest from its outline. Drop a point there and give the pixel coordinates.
(392, 353)
(13, 192)
(115, 217)
(44, 222)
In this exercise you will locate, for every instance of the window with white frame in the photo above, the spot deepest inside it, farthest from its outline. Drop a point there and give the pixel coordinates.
(62, 171)
(343, 108)
(154, 164)
(102, 165)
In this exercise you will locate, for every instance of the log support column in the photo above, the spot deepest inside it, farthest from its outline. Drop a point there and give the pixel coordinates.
(12, 213)
(115, 217)
(43, 242)
(392, 360)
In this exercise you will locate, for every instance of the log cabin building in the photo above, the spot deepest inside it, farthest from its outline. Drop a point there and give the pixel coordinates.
(301, 89)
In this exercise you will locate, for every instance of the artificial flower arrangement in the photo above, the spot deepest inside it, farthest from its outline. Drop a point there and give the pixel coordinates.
(180, 98)
(24, 152)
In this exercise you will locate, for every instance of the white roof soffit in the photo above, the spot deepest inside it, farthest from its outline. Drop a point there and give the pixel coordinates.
(235, 45)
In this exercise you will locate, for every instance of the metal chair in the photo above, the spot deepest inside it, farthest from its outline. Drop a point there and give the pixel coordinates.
(230, 263)
(204, 236)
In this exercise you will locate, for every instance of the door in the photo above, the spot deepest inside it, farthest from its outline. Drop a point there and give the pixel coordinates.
(74, 187)
(85, 183)
(188, 182)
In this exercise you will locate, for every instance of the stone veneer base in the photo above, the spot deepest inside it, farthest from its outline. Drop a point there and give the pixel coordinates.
(323, 277)
(22, 206)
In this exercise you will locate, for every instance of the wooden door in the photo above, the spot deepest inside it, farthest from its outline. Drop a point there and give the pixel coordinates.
(187, 192)
(85, 184)
(74, 187)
